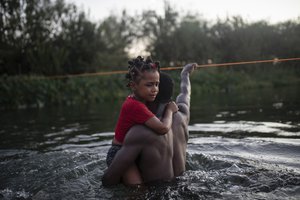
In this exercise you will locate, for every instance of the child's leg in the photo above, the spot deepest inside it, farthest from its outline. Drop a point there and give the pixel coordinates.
(132, 176)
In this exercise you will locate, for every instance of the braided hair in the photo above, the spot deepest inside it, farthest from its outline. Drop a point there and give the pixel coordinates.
(137, 66)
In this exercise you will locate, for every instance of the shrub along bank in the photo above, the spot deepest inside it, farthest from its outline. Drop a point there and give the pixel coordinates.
(34, 91)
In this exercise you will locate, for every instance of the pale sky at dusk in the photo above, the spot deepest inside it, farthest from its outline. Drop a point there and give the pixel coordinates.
(251, 10)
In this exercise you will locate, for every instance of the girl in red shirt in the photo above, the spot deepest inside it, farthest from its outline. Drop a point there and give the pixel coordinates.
(143, 80)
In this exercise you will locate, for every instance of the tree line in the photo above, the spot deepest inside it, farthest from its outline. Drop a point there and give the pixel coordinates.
(44, 37)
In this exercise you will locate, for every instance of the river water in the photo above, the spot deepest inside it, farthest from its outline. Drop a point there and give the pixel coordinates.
(242, 146)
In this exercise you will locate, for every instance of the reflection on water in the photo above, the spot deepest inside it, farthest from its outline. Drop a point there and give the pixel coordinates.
(244, 128)
(246, 147)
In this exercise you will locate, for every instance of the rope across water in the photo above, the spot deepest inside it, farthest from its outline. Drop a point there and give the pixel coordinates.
(276, 60)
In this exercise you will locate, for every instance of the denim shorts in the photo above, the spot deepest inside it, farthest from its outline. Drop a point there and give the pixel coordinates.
(111, 153)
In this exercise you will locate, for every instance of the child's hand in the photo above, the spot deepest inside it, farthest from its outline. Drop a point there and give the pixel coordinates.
(172, 106)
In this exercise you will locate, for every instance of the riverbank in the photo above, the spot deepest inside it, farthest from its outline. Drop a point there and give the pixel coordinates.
(19, 92)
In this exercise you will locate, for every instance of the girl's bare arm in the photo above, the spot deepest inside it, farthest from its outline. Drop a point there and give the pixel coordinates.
(163, 126)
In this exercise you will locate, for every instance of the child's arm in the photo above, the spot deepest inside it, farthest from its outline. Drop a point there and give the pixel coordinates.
(163, 126)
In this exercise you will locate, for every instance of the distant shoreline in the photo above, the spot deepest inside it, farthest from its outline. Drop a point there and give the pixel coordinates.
(21, 92)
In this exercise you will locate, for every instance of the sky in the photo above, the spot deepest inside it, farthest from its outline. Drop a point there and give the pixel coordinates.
(273, 11)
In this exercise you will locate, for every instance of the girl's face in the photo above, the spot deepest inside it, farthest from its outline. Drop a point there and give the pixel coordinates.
(146, 89)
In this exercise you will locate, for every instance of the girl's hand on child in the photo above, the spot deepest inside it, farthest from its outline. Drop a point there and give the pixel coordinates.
(172, 106)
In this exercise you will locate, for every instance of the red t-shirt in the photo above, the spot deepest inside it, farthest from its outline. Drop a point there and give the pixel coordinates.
(132, 112)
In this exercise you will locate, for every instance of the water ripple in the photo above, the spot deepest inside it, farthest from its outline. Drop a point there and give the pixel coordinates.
(248, 128)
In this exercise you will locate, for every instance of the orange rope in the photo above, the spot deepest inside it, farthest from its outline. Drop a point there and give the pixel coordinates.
(237, 63)
(176, 68)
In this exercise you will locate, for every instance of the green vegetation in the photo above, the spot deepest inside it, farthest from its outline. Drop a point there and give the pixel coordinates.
(40, 39)
(22, 92)
(26, 91)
